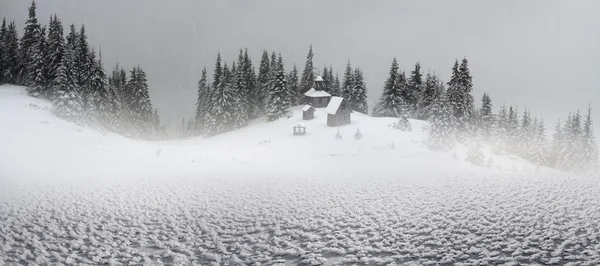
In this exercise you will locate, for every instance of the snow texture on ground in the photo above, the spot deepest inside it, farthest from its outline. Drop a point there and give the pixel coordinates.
(260, 196)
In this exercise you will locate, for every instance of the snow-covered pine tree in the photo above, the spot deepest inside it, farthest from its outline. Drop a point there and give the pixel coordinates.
(3, 33)
(474, 154)
(500, 133)
(222, 105)
(326, 82)
(487, 117)
(55, 52)
(459, 95)
(331, 79)
(263, 80)
(10, 55)
(242, 105)
(357, 99)
(358, 134)
(525, 135)
(67, 103)
(348, 81)
(391, 103)
(30, 38)
(538, 151)
(442, 128)
(589, 146)
(117, 81)
(202, 103)
(308, 75)
(218, 72)
(104, 101)
(415, 86)
(84, 63)
(403, 123)
(556, 146)
(293, 86)
(35, 69)
(512, 130)
(278, 98)
(251, 88)
(140, 107)
(336, 90)
(431, 90)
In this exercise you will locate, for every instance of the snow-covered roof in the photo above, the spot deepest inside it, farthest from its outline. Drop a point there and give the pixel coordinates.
(306, 108)
(334, 105)
(315, 93)
(319, 78)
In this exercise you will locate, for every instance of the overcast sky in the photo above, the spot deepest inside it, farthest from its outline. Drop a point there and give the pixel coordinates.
(538, 54)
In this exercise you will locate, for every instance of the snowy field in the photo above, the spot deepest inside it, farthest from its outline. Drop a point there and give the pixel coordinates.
(260, 196)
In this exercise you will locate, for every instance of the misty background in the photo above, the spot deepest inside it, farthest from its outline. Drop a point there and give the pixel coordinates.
(543, 55)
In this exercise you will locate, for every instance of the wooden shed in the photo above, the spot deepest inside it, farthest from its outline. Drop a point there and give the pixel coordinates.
(317, 96)
(338, 112)
(308, 112)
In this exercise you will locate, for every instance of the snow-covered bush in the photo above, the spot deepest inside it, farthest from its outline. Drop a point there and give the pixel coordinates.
(474, 154)
(338, 135)
(358, 134)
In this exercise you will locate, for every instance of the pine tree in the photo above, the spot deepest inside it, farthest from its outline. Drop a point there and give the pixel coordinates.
(358, 134)
(442, 128)
(474, 154)
(293, 86)
(487, 117)
(83, 63)
(222, 105)
(501, 137)
(242, 106)
(459, 95)
(277, 102)
(67, 103)
(263, 80)
(202, 103)
(431, 90)
(589, 148)
(10, 55)
(415, 86)
(557, 146)
(357, 99)
(55, 52)
(308, 76)
(326, 81)
(3, 34)
(391, 103)
(538, 149)
(142, 116)
(251, 87)
(27, 55)
(336, 89)
(512, 130)
(331, 79)
(35, 77)
(104, 104)
(347, 82)
(525, 135)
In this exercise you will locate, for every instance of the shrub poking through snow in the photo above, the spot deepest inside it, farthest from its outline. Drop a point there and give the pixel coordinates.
(358, 134)
(338, 135)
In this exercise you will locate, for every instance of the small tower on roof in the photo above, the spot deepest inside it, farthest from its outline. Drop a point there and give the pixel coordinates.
(317, 97)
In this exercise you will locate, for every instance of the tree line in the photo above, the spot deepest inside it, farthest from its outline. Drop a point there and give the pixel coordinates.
(69, 72)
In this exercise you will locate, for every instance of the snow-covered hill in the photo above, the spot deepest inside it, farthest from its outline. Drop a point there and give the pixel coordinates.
(261, 196)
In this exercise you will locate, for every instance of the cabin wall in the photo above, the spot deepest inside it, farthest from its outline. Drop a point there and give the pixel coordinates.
(318, 102)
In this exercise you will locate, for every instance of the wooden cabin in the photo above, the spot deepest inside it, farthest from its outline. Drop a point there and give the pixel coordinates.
(308, 112)
(317, 96)
(338, 112)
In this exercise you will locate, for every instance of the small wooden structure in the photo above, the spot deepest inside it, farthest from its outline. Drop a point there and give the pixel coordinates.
(308, 112)
(299, 129)
(338, 112)
(317, 96)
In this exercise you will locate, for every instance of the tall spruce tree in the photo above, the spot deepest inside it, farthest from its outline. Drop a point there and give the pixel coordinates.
(202, 103)
(336, 89)
(10, 55)
(67, 103)
(293, 86)
(278, 98)
(459, 94)
(442, 128)
(3, 34)
(251, 86)
(391, 103)
(35, 72)
(487, 117)
(525, 135)
(357, 99)
(501, 135)
(55, 51)
(512, 130)
(415, 86)
(222, 105)
(263, 79)
(431, 90)
(347, 82)
(241, 112)
(308, 75)
(27, 55)
(326, 81)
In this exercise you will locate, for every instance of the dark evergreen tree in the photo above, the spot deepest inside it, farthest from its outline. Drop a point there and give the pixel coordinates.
(222, 105)
(143, 117)
(278, 98)
(442, 128)
(35, 69)
(326, 81)
(241, 108)
(202, 103)
(55, 52)
(357, 99)
(10, 55)
(415, 86)
(67, 103)
(391, 103)
(27, 55)
(459, 95)
(251, 87)
(263, 80)
(293, 86)
(331, 78)
(431, 90)
(84, 64)
(218, 72)
(3, 34)
(308, 76)
(487, 117)
(336, 89)
(347, 82)
(104, 104)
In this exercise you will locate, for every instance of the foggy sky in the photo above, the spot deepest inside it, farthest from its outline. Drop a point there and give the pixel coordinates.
(543, 55)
